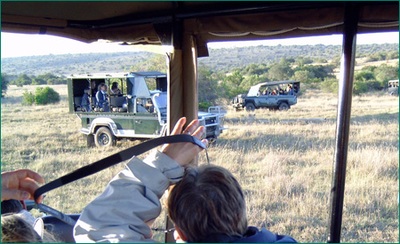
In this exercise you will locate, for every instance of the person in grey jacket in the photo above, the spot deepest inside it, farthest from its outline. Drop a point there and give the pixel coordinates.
(125, 210)
(206, 204)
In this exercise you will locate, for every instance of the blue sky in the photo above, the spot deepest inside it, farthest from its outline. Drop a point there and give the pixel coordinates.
(17, 45)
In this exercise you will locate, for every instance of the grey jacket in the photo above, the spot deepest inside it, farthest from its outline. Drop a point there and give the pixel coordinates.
(130, 202)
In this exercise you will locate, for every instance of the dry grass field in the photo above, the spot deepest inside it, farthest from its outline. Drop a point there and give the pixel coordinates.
(284, 161)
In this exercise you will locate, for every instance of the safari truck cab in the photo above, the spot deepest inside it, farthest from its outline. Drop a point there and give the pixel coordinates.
(139, 111)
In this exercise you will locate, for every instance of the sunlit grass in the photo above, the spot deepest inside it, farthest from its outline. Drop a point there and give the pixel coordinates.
(283, 160)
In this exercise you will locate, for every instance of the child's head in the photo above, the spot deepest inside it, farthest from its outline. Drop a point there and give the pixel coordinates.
(16, 229)
(208, 200)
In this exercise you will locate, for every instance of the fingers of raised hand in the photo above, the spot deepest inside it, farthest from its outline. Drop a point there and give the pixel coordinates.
(179, 126)
(192, 127)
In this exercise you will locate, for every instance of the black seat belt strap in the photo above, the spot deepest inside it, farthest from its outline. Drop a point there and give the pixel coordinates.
(113, 160)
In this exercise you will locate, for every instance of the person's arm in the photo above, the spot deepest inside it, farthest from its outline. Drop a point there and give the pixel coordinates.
(126, 209)
(20, 184)
(99, 96)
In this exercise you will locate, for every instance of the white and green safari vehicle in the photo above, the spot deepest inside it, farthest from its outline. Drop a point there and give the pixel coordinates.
(138, 112)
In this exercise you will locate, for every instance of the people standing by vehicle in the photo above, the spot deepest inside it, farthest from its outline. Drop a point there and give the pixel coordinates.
(102, 98)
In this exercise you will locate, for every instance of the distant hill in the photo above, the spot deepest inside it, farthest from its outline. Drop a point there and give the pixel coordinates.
(222, 59)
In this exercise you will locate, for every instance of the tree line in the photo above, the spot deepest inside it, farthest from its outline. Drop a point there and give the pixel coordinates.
(216, 86)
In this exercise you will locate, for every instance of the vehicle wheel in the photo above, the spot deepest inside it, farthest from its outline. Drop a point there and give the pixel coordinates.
(104, 138)
(250, 107)
(283, 106)
(90, 140)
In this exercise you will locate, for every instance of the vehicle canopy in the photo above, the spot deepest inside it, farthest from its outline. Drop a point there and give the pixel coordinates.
(133, 85)
(255, 90)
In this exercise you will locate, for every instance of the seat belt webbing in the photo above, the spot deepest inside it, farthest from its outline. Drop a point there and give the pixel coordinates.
(113, 160)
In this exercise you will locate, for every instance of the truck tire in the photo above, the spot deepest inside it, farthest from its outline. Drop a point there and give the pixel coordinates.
(90, 140)
(104, 138)
(283, 106)
(250, 107)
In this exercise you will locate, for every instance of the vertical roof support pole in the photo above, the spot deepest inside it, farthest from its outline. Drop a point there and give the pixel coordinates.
(182, 80)
(343, 120)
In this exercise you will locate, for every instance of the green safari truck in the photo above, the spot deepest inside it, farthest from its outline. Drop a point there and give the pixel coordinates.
(138, 111)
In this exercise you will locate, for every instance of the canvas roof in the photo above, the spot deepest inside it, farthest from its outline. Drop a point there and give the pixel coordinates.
(142, 22)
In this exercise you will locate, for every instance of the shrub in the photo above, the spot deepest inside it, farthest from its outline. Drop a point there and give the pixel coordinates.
(330, 85)
(4, 84)
(203, 106)
(360, 87)
(28, 98)
(45, 95)
(42, 96)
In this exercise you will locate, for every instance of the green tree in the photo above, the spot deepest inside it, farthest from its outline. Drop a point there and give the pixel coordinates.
(280, 71)
(156, 62)
(46, 95)
(208, 90)
(303, 61)
(255, 69)
(251, 81)
(28, 98)
(364, 75)
(22, 80)
(232, 84)
(303, 76)
(384, 73)
(320, 72)
(4, 84)
(330, 85)
(360, 87)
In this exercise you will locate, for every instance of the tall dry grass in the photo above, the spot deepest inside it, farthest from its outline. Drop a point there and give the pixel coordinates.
(283, 160)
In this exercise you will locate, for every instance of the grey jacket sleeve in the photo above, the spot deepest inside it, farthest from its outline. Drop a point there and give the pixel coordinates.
(129, 202)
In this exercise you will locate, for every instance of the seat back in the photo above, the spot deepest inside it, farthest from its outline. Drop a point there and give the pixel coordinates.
(160, 103)
(77, 103)
(117, 101)
(60, 230)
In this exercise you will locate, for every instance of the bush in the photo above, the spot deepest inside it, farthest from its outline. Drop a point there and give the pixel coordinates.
(4, 84)
(360, 87)
(28, 98)
(203, 106)
(330, 85)
(46, 95)
(42, 96)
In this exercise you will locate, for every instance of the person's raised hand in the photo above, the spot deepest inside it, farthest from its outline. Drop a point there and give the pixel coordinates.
(185, 152)
(20, 184)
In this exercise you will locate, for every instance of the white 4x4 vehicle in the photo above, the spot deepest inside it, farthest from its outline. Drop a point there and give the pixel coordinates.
(275, 95)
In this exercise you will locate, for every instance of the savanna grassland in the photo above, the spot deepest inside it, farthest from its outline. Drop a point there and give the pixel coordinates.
(283, 160)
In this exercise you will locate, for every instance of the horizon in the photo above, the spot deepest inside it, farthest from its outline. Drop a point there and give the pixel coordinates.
(15, 45)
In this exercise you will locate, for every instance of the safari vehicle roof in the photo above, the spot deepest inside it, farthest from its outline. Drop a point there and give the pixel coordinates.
(97, 75)
(274, 83)
(150, 74)
(189, 26)
(253, 91)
